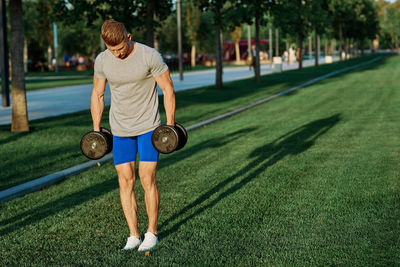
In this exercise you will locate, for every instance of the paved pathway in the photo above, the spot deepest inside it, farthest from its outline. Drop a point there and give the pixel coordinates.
(56, 101)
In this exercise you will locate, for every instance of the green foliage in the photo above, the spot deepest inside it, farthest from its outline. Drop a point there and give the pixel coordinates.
(206, 34)
(294, 17)
(132, 13)
(357, 19)
(390, 22)
(80, 38)
(37, 22)
(193, 20)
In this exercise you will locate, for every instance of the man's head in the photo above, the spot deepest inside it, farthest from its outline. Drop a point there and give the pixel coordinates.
(116, 38)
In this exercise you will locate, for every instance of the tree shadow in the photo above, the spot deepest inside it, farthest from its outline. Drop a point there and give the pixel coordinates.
(69, 201)
(12, 137)
(292, 143)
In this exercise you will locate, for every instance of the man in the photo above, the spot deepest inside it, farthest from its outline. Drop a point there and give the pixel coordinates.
(132, 71)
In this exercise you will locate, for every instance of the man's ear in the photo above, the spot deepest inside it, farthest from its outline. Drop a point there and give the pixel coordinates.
(129, 37)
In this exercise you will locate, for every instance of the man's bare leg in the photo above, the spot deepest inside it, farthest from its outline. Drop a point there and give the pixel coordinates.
(126, 180)
(147, 174)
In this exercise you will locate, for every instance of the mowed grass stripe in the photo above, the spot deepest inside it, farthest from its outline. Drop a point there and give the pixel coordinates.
(306, 179)
(53, 143)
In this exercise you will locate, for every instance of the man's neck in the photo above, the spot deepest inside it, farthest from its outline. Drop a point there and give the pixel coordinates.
(131, 47)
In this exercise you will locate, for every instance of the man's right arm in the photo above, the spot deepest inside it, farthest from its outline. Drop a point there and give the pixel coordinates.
(97, 101)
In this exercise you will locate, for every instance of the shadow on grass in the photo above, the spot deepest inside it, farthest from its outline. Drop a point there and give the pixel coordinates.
(292, 143)
(12, 137)
(213, 143)
(41, 212)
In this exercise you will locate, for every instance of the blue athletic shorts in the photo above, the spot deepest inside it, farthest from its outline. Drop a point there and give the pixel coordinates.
(126, 148)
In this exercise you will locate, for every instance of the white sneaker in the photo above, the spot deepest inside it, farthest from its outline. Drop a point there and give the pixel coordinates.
(132, 242)
(149, 242)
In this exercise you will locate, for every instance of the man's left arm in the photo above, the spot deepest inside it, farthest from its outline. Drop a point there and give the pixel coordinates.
(165, 83)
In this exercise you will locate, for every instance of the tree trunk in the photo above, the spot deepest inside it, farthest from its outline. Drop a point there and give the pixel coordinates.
(341, 41)
(310, 47)
(4, 59)
(325, 47)
(316, 49)
(218, 52)
(362, 47)
(19, 108)
(257, 57)
(193, 55)
(300, 45)
(237, 52)
(277, 42)
(25, 55)
(150, 9)
(270, 52)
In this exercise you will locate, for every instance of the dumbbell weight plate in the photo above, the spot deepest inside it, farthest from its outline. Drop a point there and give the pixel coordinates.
(165, 139)
(109, 136)
(183, 136)
(94, 145)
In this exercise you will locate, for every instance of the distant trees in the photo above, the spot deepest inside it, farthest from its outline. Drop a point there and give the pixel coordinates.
(254, 12)
(236, 36)
(390, 23)
(320, 22)
(354, 20)
(136, 14)
(216, 6)
(193, 21)
(38, 34)
(295, 18)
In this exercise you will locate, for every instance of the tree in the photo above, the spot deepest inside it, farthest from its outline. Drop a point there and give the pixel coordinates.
(340, 11)
(216, 7)
(135, 14)
(366, 23)
(193, 21)
(320, 21)
(79, 38)
(391, 24)
(38, 35)
(19, 121)
(359, 21)
(236, 36)
(295, 18)
(252, 12)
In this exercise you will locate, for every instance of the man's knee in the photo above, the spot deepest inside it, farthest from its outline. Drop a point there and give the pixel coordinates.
(148, 182)
(125, 179)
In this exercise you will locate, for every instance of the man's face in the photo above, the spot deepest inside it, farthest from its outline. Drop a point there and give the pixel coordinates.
(120, 50)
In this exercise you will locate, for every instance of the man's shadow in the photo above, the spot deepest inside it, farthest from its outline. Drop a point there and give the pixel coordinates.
(291, 143)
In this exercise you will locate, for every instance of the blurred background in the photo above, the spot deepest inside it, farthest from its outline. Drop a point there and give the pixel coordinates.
(352, 26)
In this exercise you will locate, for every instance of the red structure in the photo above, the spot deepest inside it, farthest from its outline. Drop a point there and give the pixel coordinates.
(229, 48)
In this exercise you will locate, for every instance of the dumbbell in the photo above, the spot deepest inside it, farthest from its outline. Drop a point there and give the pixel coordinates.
(167, 139)
(94, 145)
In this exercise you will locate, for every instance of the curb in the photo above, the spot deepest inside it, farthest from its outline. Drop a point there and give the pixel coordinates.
(39, 183)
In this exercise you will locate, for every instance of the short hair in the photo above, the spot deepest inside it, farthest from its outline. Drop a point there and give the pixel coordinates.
(113, 32)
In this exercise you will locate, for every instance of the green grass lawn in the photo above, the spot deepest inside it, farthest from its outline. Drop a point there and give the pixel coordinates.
(312, 178)
(52, 79)
(53, 143)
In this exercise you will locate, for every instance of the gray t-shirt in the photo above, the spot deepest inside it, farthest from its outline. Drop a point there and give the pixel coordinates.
(134, 98)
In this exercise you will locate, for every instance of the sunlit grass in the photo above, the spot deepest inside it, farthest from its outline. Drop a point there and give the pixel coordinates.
(307, 179)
